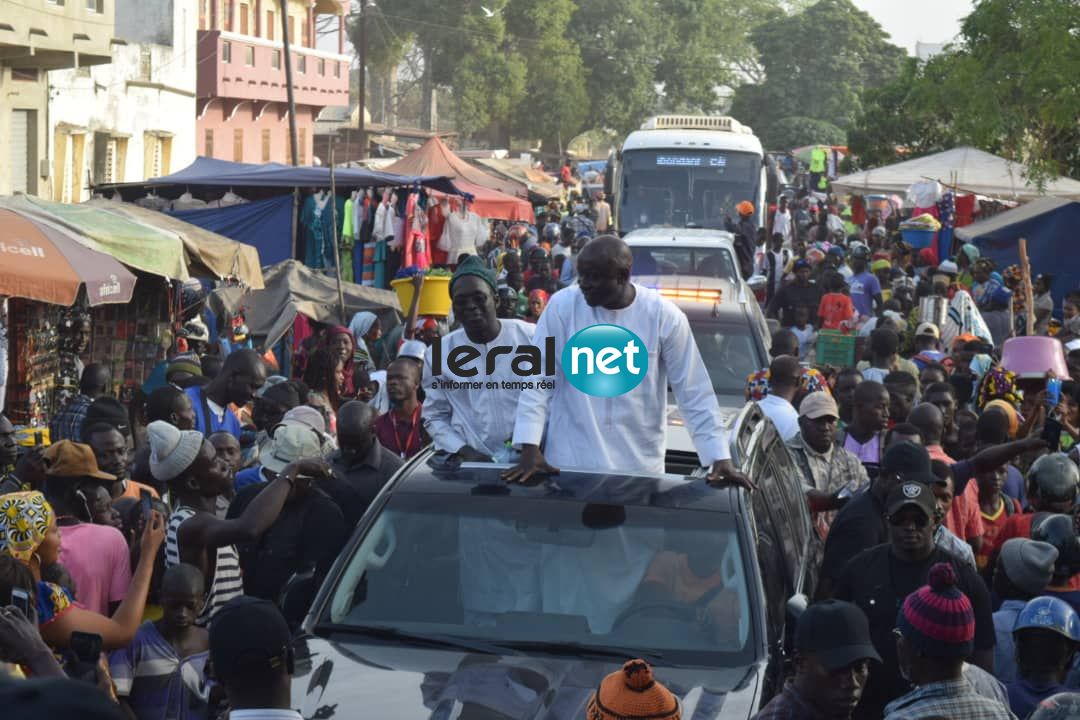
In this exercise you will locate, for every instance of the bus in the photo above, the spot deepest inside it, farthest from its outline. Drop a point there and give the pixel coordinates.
(679, 171)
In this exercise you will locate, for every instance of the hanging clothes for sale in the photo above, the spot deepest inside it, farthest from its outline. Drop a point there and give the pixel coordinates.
(348, 239)
(415, 250)
(382, 232)
(965, 210)
(817, 159)
(436, 222)
(464, 233)
(316, 222)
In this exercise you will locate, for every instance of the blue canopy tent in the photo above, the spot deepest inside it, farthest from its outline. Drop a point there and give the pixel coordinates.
(222, 174)
(1051, 227)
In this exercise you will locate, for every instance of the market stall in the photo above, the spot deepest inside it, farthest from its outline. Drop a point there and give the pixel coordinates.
(1048, 224)
(293, 289)
(209, 254)
(965, 169)
(47, 268)
(494, 198)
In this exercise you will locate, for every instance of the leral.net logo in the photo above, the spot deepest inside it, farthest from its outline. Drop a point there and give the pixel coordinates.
(605, 360)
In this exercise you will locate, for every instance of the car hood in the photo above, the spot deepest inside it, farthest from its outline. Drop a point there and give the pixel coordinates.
(678, 436)
(347, 679)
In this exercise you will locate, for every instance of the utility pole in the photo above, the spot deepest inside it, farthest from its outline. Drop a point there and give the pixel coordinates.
(295, 154)
(361, 50)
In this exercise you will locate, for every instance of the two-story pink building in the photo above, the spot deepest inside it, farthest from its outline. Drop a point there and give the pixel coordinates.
(242, 98)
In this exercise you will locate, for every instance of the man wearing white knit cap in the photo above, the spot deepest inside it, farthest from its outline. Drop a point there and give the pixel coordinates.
(196, 476)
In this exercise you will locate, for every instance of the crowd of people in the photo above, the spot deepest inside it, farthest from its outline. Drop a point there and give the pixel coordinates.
(151, 550)
(942, 485)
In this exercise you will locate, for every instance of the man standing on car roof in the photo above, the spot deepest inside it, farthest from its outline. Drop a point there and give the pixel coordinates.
(625, 433)
(474, 424)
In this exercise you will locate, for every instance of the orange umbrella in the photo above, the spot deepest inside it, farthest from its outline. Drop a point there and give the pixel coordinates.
(41, 261)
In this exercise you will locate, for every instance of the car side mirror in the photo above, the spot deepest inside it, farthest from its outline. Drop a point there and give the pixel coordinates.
(757, 283)
(297, 596)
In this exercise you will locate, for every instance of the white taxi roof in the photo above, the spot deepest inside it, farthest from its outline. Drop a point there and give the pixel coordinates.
(686, 237)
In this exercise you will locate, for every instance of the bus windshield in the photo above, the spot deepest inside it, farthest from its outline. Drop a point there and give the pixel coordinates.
(685, 186)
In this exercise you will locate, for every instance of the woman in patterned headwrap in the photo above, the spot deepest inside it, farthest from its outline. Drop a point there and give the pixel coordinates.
(28, 533)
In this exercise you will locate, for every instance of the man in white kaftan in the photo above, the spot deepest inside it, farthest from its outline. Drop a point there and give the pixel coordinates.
(626, 432)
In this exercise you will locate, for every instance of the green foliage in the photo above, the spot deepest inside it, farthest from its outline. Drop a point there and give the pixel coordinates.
(817, 64)
(793, 132)
(1009, 87)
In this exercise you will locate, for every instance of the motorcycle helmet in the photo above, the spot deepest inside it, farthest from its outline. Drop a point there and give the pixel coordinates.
(1049, 613)
(552, 233)
(1063, 706)
(1055, 476)
(858, 251)
(1059, 531)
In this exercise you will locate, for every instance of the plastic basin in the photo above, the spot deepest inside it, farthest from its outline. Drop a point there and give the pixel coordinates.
(1033, 357)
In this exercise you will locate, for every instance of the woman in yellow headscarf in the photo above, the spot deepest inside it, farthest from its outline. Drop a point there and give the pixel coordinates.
(28, 533)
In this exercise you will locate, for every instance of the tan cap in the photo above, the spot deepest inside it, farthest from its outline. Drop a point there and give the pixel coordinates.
(818, 405)
(928, 328)
(292, 441)
(73, 460)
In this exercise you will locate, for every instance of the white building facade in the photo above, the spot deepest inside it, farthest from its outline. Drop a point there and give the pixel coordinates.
(132, 119)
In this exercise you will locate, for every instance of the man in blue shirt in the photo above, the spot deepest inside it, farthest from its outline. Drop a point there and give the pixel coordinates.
(864, 285)
(240, 378)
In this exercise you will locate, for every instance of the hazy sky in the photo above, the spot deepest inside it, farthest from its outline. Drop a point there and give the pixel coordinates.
(911, 21)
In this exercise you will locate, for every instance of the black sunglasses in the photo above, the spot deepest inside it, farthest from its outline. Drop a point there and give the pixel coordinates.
(899, 520)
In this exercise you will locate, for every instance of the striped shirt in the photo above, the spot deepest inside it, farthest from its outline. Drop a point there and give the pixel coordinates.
(158, 684)
(226, 583)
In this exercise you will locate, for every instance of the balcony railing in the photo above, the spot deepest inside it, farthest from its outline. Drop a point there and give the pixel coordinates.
(249, 68)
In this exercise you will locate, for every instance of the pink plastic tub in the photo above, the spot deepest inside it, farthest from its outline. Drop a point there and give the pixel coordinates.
(1032, 357)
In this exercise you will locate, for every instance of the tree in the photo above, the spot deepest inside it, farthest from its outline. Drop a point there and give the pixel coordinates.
(618, 45)
(555, 105)
(793, 132)
(817, 64)
(1008, 87)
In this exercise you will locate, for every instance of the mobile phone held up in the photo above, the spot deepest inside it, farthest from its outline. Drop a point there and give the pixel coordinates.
(21, 599)
(144, 504)
(86, 647)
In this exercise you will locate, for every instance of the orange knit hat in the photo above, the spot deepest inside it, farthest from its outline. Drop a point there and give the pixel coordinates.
(632, 693)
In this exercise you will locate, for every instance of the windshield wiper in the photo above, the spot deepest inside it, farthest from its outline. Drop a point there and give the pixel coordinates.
(581, 649)
(412, 638)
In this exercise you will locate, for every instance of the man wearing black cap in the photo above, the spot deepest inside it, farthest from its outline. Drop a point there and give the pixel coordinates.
(801, 292)
(833, 651)
(861, 523)
(252, 656)
(880, 578)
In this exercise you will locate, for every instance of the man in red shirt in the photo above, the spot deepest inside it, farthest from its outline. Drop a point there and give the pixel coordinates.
(995, 508)
(400, 430)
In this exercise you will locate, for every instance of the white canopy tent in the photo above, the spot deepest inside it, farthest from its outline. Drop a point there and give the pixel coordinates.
(970, 170)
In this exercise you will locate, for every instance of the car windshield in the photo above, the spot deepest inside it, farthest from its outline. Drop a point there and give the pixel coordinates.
(520, 573)
(679, 187)
(713, 262)
(730, 354)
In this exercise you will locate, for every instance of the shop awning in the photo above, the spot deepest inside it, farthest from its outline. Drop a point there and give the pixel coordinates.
(972, 171)
(210, 173)
(47, 262)
(542, 187)
(209, 254)
(493, 197)
(134, 244)
(293, 288)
